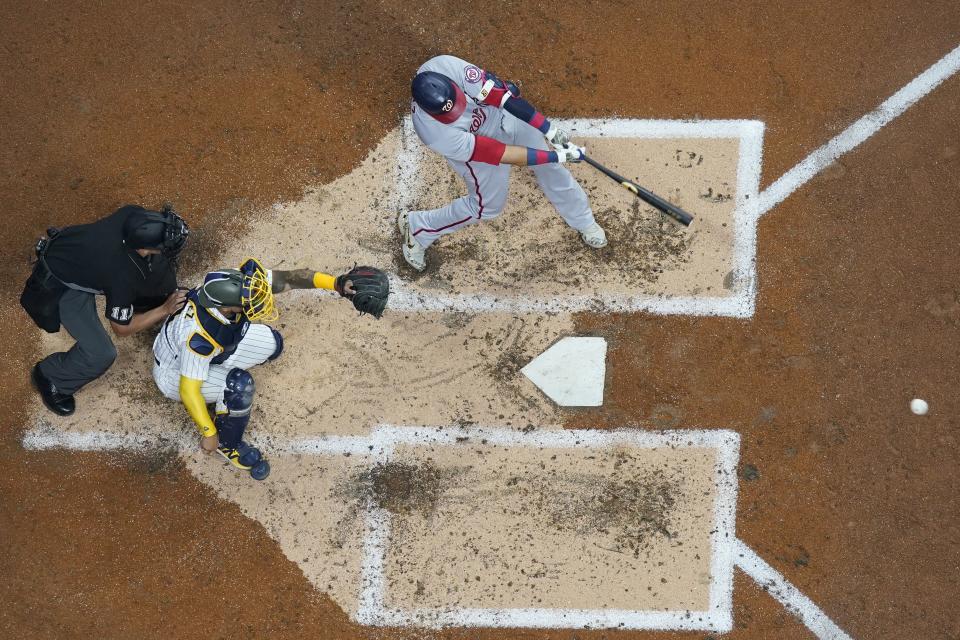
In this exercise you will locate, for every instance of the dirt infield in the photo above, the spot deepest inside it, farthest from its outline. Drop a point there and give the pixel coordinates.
(230, 109)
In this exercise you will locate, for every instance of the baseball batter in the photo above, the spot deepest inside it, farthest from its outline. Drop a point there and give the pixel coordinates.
(203, 353)
(481, 125)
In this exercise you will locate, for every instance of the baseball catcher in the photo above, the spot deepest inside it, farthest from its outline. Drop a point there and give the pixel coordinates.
(203, 352)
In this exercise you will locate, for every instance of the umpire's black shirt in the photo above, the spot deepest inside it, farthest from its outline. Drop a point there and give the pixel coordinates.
(93, 257)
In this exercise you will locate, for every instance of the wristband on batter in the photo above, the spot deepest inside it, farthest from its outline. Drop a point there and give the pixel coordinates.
(196, 406)
(493, 93)
(324, 281)
(539, 156)
(525, 111)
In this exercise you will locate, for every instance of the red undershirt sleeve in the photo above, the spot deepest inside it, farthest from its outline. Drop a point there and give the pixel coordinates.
(488, 150)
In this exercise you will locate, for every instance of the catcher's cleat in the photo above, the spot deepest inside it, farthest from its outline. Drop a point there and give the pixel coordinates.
(249, 456)
(413, 253)
(233, 457)
(260, 470)
(594, 236)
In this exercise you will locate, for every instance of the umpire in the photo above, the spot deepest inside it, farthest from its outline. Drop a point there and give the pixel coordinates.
(130, 258)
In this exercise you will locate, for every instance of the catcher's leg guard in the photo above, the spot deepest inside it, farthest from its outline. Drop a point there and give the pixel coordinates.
(238, 398)
(279, 349)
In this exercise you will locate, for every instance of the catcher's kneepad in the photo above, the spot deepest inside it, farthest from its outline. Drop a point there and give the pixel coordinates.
(371, 289)
(278, 340)
(238, 393)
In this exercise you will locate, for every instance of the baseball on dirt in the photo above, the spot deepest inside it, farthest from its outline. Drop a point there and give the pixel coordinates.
(919, 406)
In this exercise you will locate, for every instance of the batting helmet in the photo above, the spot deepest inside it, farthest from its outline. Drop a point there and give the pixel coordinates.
(438, 95)
(163, 230)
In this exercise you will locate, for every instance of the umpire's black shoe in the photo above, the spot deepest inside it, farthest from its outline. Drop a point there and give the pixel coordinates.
(60, 403)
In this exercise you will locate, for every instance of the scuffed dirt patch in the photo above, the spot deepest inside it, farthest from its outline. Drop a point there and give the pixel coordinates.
(400, 488)
(628, 509)
(642, 242)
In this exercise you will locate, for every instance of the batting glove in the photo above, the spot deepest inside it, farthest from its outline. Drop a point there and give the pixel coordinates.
(570, 153)
(556, 136)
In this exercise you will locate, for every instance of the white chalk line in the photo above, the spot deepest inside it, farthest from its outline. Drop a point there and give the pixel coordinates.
(384, 437)
(372, 569)
(859, 131)
(47, 437)
(723, 535)
(786, 594)
(553, 619)
(739, 304)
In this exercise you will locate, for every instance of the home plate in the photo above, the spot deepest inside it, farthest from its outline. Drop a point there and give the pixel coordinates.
(571, 372)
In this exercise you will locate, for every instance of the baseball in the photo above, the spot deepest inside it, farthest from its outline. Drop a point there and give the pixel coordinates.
(919, 406)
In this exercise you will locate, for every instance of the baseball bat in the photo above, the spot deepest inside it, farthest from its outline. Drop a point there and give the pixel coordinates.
(649, 197)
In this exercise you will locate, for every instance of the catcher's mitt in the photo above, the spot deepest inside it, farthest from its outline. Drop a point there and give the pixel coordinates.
(371, 288)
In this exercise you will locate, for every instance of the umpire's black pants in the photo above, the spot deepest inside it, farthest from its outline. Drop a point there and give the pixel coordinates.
(93, 353)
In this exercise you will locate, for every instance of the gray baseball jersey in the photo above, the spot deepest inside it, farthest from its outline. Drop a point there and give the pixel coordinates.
(487, 184)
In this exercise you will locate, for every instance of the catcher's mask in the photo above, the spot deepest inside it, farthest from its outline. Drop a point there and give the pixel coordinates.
(163, 230)
(247, 287)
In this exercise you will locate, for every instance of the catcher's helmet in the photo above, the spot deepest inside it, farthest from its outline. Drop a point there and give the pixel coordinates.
(247, 287)
(438, 95)
(163, 230)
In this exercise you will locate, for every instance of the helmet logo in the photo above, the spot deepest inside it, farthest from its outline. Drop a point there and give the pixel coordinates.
(447, 106)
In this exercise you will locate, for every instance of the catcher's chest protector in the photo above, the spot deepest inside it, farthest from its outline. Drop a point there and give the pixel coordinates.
(217, 329)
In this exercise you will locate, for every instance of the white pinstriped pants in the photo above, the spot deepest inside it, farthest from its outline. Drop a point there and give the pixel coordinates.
(487, 187)
(255, 348)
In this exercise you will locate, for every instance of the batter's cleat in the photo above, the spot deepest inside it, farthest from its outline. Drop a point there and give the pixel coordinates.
(233, 457)
(61, 404)
(413, 253)
(594, 236)
(260, 470)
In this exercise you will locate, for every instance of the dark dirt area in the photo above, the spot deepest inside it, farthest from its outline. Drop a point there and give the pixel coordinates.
(642, 241)
(401, 488)
(227, 107)
(631, 509)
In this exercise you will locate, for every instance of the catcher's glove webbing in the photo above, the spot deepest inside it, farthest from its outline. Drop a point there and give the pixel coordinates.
(371, 288)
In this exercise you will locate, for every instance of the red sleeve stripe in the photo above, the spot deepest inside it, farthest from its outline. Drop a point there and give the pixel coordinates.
(488, 150)
(537, 120)
(539, 156)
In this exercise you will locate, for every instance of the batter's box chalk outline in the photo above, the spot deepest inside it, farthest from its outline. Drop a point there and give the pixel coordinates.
(742, 302)
(373, 611)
